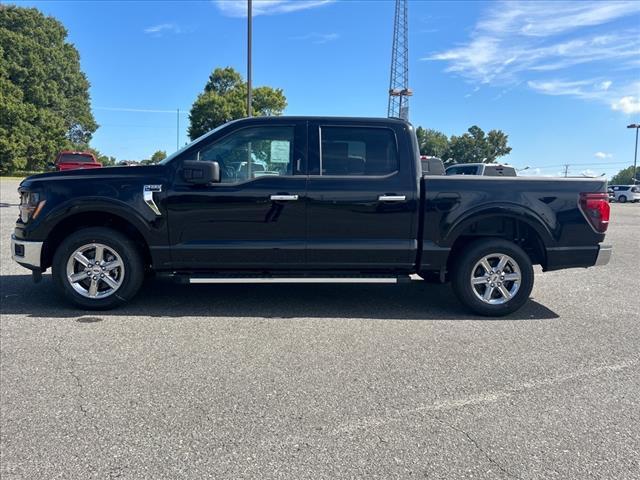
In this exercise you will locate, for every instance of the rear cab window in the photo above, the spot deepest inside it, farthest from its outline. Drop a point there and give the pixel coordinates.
(462, 170)
(499, 171)
(75, 158)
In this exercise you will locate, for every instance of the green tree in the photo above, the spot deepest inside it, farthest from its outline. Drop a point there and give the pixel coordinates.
(432, 142)
(44, 96)
(476, 147)
(158, 156)
(225, 98)
(105, 160)
(625, 176)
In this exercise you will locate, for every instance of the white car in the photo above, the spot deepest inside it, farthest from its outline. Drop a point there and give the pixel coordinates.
(626, 193)
(486, 169)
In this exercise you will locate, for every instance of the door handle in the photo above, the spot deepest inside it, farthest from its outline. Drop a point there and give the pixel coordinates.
(284, 197)
(392, 198)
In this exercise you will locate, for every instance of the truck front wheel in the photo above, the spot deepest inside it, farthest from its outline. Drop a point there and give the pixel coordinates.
(492, 277)
(98, 268)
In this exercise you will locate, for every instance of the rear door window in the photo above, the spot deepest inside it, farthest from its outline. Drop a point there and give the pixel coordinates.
(356, 151)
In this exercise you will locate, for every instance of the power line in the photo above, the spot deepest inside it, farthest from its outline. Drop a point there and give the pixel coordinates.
(556, 165)
(140, 110)
(128, 125)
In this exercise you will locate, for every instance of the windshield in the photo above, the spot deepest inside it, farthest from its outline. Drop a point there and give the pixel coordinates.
(175, 154)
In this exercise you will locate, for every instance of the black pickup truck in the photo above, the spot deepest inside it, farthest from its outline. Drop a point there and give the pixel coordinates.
(302, 200)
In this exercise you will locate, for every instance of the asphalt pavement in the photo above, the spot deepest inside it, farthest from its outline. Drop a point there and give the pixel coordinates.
(323, 382)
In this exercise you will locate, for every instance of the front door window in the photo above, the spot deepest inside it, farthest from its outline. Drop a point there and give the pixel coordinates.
(252, 153)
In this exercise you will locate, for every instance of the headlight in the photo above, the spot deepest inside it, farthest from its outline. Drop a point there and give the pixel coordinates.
(31, 204)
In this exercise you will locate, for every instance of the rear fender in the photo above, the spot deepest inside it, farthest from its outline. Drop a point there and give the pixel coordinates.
(544, 227)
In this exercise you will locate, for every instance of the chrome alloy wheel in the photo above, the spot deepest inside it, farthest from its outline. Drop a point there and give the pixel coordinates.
(496, 278)
(95, 271)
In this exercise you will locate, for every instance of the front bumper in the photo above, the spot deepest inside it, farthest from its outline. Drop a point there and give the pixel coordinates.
(27, 254)
(604, 255)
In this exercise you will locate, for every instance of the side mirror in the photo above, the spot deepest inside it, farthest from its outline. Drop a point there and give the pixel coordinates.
(200, 173)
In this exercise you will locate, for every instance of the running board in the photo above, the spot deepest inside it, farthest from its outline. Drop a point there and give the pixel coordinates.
(386, 280)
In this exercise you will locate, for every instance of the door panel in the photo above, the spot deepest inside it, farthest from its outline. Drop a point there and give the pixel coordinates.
(364, 218)
(239, 226)
(255, 219)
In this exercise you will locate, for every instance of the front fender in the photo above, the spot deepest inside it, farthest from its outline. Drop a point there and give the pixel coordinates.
(151, 226)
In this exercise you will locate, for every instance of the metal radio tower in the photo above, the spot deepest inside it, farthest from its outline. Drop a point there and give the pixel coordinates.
(399, 90)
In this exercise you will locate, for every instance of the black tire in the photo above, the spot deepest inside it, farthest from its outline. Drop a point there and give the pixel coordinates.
(133, 271)
(463, 268)
(622, 199)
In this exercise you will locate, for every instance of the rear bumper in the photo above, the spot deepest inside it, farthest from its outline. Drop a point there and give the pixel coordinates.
(577, 257)
(604, 255)
(27, 254)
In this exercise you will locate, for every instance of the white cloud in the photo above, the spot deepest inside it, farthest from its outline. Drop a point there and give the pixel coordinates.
(238, 8)
(590, 173)
(318, 38)
(602, 155)
(162, 28)
(628, 104)
(530, 172)
(541, 19)
(562, 87)
(537, 172)
(526, 41)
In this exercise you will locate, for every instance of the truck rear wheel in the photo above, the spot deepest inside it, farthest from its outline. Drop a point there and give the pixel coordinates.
(492, 277)
(98, 268)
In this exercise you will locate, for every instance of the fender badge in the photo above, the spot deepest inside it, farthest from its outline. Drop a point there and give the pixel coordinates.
(147, 194)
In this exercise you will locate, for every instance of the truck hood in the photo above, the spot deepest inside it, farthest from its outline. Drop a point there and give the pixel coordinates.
(106, 173)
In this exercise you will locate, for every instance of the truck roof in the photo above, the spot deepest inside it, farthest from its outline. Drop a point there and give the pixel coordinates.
(320, 118)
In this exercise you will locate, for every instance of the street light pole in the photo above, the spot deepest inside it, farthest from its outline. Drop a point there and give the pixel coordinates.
(249, 92)
(635, 156)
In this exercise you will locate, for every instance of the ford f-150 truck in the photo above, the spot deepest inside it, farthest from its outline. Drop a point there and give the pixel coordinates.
(305, 199)
(67, 160)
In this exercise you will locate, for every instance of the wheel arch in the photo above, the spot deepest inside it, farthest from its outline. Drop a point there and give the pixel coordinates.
(513, 223)
(93, 218)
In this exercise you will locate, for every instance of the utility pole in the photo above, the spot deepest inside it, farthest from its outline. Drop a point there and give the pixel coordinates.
(249, 92)
(566, 170)
(635, 156)
(399, 91)
(178, 129)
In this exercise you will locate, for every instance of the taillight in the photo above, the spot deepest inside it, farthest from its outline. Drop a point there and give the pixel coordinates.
(595, 207)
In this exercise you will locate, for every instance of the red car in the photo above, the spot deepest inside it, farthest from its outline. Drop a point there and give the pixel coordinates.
(68, 160)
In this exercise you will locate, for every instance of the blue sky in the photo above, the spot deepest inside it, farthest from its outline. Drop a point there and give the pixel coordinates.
(561, 79)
